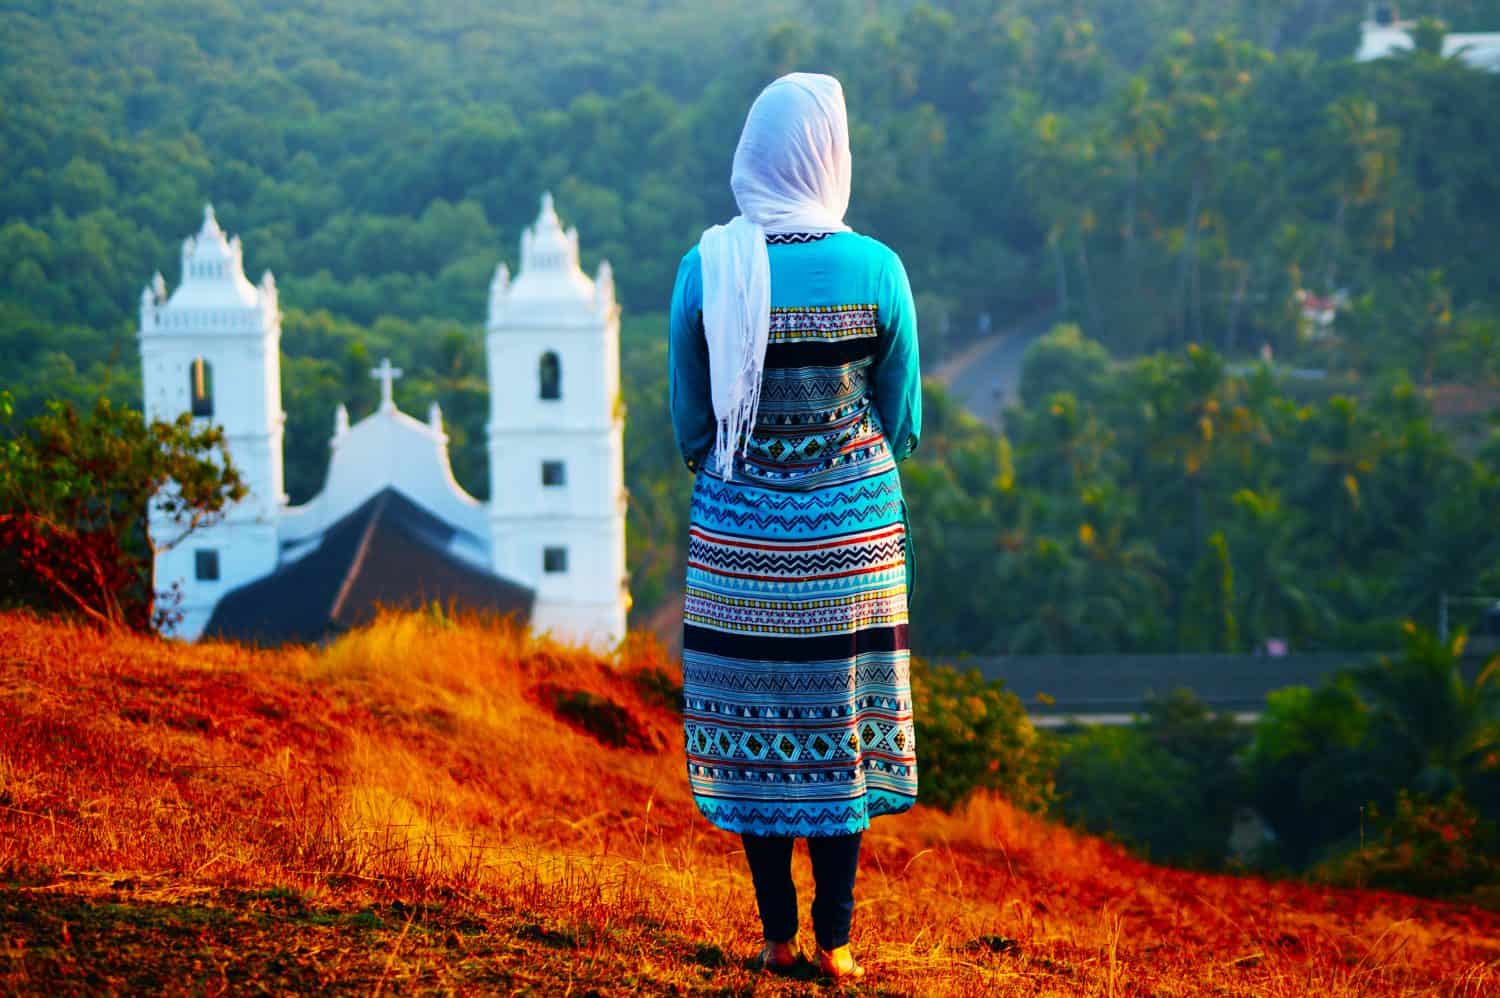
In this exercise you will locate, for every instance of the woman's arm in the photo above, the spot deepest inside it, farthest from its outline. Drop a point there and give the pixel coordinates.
(690, 396)
(898, 373)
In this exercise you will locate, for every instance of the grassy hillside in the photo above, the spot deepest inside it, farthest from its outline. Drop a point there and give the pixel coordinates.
(411, 809)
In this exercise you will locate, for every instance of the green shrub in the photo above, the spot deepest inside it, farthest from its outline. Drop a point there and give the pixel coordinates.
(1113, 781)
(1309, 768)
(972, 733)
(1410, 721)
(1064, 360)
(1438, 848)
(1167, 786)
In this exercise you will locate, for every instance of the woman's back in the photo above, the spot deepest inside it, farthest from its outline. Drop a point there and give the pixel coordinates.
(840, 390)
(792, 404)
(796, 587)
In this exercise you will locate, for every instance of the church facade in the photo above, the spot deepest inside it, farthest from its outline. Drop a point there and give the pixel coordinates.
(391, 525)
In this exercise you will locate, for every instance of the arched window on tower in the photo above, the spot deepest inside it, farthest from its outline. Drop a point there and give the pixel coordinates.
(550, 375)
(201, 387)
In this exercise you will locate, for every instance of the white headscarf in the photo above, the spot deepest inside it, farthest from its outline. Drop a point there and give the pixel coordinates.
(791, 174)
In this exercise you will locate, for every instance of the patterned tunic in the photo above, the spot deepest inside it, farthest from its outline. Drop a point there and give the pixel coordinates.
(795, 661)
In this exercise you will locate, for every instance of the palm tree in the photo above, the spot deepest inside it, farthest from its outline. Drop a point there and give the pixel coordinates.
(1339, 451)
(1139, 136)
(1062, 175)
(1204, 85)
(1448, 728)
(1274, 589)
(1367, 154)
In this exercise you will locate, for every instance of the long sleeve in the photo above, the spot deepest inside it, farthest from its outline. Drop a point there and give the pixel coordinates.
(898, 373)
(689, 394)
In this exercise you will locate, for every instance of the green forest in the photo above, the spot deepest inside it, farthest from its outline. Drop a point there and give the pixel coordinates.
(1162, 181)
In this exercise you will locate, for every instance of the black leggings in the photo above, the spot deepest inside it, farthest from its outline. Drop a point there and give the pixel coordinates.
(835, 858)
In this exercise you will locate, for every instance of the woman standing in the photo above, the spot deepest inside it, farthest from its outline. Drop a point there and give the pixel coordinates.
(794, 391)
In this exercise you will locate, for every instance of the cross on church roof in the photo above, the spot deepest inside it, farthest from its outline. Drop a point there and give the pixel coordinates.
(386, 375)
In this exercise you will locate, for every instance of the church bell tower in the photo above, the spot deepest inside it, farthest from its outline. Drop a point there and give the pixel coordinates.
(556, 447)
(213, 348)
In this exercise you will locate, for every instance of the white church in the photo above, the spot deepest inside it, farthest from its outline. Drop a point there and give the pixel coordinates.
(391, 526)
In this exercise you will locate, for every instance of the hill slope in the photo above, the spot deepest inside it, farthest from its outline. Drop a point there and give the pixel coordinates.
(406, 809)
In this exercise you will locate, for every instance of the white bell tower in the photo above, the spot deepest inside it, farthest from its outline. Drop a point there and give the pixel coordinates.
(214, 349)
(557, 464)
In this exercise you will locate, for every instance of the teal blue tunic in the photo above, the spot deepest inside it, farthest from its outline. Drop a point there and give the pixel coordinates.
(797, 693)
(831, 271)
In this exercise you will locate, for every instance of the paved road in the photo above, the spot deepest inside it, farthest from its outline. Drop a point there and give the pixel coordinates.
(986, 377)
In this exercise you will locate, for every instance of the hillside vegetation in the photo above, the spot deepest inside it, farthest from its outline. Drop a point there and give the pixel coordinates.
(1161, 173)
(432, 805)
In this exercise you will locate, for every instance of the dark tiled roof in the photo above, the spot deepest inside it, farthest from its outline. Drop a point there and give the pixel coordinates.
(389, 552)
(1111, 684)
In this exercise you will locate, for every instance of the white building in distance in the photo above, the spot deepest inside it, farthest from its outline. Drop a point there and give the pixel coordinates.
(556, 433)
(391, 526)
(1383, 33)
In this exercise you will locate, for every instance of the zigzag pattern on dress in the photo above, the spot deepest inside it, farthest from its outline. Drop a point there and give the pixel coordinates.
(701, 676)
(724, 492)
(767, 522)
(795, 545)
(775, 684)
(803, 817)
(831, 387)
(796, 624)
(776, 238)
(706, 554)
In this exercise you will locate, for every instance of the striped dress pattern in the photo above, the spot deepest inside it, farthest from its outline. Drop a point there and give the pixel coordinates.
(798, 709)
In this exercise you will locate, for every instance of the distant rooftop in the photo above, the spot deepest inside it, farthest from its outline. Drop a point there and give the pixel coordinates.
(1385, 35)
(389, 552)
(1109, 689)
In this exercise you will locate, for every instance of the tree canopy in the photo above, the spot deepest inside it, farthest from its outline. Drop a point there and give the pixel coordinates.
(1186, 184)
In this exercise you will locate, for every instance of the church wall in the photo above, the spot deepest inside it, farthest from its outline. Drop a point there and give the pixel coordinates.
(244, 551)
(387, 449)
(515, 356)
(587, 462)
(599, 624)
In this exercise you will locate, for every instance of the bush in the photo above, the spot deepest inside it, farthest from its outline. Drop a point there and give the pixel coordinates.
(972, 733)
(74, 492)
(598, 717)
(1114, 781)
(1410, 721)
(1438, 848)
(1309, 768)
(1064, 360)
(1167, 786)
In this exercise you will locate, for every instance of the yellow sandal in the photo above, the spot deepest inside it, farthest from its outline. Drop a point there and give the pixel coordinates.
(839, 964)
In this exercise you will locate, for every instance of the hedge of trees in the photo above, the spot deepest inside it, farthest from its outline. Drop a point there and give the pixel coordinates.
(1166, 176)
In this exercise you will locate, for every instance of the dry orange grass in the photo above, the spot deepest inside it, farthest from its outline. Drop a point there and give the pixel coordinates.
(398, 812)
